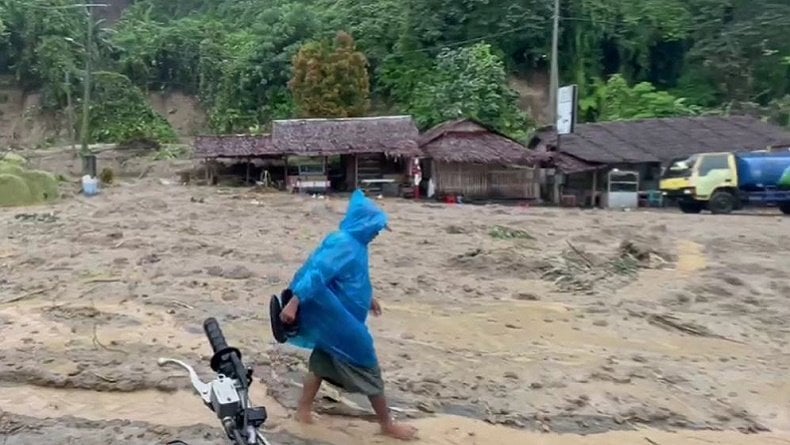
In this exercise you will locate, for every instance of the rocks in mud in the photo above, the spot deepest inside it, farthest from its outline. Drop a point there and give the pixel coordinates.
(610, 377)
(76, 316)
(149, 259)
(229, 295)
(511, 375)
(231, 273)
(472, 290)
(577, 402)
(455, 230)
(428, 407)
(732, 280)
(46, 218)
(638, 250)
(526, 296)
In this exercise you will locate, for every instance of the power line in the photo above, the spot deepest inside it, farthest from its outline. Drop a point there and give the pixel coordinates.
(532, 26)
(579, 19)
(81, 5)
(476, 39)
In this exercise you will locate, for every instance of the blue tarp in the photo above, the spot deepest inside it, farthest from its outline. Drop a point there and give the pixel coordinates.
(334, 288)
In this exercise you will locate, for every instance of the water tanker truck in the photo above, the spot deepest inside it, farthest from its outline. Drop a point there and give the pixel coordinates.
(725, 182)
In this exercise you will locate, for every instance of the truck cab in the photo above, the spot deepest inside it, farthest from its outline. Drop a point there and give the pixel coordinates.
(693, 181)
(711, 181)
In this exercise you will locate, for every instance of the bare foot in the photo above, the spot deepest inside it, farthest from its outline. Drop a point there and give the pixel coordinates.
(305, 416)
(399, 431)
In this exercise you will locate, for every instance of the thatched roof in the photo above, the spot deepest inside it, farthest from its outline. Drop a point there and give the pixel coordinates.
(661, 140)
(562, 161)
(234, 146)
(469, 141)
(391, 135)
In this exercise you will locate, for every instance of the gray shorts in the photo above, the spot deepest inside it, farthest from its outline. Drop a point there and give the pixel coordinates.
(348, 377)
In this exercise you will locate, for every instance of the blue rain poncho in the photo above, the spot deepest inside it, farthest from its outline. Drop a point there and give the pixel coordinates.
(334, 288)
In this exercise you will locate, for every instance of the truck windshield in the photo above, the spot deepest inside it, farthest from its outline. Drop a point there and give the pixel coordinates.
(680, 168)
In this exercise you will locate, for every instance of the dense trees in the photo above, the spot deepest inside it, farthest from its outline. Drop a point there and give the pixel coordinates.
(331, 80)
(616, 100)
(467, 82)
(433, 58)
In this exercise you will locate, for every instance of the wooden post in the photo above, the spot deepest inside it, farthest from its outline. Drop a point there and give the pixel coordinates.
(205, 161)
(326, 174)
(285, 173)
(417, 185)
(356, 171)
(594, 186)
(556, 186)
(247, 178)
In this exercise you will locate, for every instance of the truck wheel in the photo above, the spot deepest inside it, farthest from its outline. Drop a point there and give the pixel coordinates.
(785, 208)
(722, 203)
(690, 207)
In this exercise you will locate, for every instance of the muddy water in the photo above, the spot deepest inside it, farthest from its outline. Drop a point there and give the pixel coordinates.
(448, 430)
(520, 336)
(150, 406)
(181, 409)
(60, 326)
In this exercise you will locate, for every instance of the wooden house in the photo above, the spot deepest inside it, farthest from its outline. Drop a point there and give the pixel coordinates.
(470, 159)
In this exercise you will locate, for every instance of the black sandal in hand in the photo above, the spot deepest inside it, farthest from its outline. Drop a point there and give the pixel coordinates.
(281, 331)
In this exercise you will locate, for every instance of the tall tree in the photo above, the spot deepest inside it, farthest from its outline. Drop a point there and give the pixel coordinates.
(331, 80)
(739, 49)
(468, 82)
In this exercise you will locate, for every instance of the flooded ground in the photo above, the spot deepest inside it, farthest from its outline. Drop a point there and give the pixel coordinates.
(502, 325)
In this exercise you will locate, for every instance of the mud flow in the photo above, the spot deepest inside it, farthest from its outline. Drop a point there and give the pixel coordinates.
(502, 325)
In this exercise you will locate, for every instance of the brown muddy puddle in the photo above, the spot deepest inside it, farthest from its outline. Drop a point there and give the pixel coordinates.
(183, 408)
(58, 326)
(690, 257)
(449, 430)
(523, 331)
(158, 408)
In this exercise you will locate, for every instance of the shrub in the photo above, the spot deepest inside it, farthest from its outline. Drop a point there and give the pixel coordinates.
(14, 191)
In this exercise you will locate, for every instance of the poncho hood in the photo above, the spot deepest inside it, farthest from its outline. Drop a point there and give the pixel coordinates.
(364, 219)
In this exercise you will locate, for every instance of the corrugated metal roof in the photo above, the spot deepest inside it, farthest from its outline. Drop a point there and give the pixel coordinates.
(661, 140)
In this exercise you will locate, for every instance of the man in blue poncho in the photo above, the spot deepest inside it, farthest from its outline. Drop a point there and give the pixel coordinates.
(332, 298)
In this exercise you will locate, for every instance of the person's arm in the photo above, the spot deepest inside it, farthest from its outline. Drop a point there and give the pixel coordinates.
(325, 264)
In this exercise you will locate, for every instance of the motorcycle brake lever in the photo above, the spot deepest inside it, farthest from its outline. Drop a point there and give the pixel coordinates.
(261, 438)
(204, 389)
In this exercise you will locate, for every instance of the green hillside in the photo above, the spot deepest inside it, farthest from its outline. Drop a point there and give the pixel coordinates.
(435, 59)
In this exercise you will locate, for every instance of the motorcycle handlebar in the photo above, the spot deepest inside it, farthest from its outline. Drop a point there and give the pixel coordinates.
(214, 334)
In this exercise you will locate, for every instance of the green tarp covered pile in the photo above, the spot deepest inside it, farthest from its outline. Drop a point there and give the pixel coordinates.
(20, 186)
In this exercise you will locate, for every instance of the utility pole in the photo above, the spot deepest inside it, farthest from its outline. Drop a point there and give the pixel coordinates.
(70, 112)
(86, 95)
(88, 161)
(554, 85)
(554, 82)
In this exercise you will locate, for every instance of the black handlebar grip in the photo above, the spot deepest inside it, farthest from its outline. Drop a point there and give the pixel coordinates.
(214, 334)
